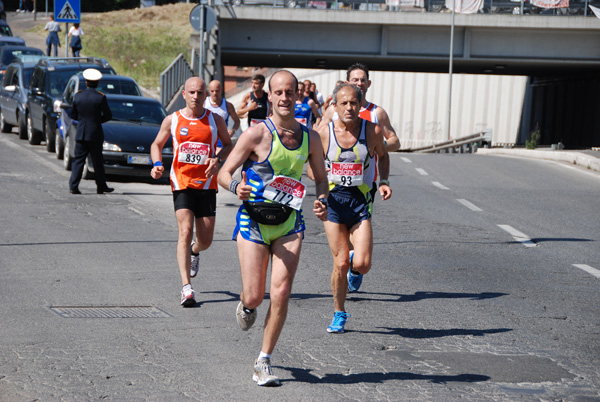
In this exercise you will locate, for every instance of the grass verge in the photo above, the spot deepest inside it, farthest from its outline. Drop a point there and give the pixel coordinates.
(139, 43)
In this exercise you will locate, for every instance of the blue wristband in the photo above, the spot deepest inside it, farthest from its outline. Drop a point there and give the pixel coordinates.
(158, 163)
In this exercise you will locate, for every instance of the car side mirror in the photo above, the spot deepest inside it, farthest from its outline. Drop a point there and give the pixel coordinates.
(65, 105)
(36, 91)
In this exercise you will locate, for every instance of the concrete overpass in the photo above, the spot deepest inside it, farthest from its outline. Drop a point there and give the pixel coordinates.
(560, 54)
(407, 41)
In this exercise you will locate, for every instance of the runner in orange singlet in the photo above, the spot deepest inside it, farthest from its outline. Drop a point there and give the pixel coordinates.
(196, 162)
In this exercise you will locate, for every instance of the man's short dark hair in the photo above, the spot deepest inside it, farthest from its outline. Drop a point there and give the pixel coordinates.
(259, 77)
(91, 84)
(357, 66)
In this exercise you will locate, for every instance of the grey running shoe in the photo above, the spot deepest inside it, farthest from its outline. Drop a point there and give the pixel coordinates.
(245, 319)
(195, 263)
(263, 375)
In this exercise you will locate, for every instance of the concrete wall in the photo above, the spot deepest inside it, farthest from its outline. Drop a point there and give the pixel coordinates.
(417, 103)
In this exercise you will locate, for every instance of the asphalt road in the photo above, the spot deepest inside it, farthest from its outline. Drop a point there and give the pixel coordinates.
(456, 307)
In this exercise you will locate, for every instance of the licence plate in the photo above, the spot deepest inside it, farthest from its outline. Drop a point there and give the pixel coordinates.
(139, 160)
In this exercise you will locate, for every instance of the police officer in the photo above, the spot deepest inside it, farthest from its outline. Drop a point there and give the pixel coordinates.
(91, 109)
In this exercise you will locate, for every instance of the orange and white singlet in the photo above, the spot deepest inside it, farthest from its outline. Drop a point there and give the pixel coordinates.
(368, 113)
(194, 142)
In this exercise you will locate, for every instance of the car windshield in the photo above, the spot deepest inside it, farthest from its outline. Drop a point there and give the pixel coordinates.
(58, 80)
(5, 30)
(118, 87)
(8, 57)
(141, 112)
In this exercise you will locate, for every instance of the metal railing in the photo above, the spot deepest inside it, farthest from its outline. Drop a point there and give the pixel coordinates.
(173, 78)
(576, 7)
(464, 144)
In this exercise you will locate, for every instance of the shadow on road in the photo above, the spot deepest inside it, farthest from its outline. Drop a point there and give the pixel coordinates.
(395, 297)
(420, 333)
(304, 375)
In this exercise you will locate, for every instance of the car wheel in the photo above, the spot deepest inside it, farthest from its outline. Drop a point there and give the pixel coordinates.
(87, 173)
(22, 127)
(67, 160)
(4, 126)
(49, 134)
(32, 135)
(59, 145)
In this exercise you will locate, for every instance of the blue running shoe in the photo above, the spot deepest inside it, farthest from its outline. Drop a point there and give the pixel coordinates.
(354, 281)
(339, 320)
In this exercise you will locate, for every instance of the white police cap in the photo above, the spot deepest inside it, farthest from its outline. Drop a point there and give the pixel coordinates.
(91, 74)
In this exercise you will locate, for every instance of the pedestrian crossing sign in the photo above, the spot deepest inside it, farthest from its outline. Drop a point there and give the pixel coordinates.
(67, 10)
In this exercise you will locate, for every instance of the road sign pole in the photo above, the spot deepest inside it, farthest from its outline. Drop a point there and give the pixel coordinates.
(66, 39)
(202, 47)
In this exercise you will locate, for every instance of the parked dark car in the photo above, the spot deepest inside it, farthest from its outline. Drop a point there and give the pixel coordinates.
(48, 82)
(9, 53)
(12, 40)
(109, 84)
(13, 96)
(127, 137)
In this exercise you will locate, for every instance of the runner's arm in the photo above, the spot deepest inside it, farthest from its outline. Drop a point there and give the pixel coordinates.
(157, 146)
(246, 145)
(327, 117)
(391, 139)
(244, 107)
(317, 164)
(234, 117)
(213, 163)
(383, 163)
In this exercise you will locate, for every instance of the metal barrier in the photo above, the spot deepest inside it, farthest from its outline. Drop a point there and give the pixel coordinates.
(489, 6)
(173, 78)
(468, 143)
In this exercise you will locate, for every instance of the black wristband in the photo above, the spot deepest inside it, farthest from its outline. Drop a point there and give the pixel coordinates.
(233, 186)
(323, 201)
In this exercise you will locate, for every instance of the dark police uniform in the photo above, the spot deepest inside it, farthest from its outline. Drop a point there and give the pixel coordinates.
(91, 109)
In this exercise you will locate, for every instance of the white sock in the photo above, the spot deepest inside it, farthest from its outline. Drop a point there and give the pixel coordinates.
(264, 355)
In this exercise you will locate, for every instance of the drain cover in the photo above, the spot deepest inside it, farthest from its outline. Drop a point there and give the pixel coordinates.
(110, 312)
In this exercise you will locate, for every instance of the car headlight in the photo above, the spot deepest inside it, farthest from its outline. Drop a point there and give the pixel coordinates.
(111, 147)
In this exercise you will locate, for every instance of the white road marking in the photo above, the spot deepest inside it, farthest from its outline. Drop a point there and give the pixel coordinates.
(405, 159)
(588, 269)
(469, 205)
(136, 211)
(422, 172)
(439, 185)
(518, 236)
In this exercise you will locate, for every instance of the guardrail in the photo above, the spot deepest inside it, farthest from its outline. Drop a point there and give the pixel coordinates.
(469, 143)
(576, 7)
(173, 77)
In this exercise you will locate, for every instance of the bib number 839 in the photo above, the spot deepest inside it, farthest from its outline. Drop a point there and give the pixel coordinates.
(193, 158)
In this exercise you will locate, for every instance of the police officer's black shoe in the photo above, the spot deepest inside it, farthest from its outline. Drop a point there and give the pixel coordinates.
(74, 191)
(105, 190)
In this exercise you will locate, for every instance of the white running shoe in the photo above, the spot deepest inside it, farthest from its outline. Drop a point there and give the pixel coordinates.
(195, 262)
(245, 320)
(188, 296)
(263, 375)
